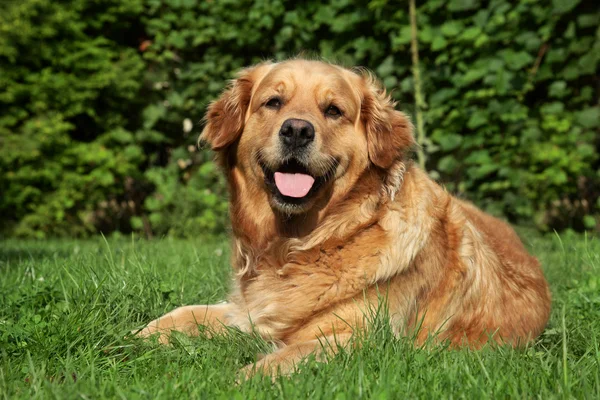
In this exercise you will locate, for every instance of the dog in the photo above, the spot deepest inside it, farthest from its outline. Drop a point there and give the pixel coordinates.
(328, 213)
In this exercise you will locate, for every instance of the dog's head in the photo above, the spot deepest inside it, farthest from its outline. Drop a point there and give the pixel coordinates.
(301, 130)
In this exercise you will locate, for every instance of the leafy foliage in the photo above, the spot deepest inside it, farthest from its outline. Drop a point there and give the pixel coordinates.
(513, 108)
(100, 98)
(69, 91)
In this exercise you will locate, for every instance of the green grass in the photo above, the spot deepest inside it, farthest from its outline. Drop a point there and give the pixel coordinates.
(66, 308)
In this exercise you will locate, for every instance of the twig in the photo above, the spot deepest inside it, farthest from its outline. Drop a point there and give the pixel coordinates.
(533, 71)
(419, 102)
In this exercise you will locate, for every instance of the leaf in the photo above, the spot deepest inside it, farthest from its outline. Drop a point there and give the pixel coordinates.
(558, 89)
(472, 75)
(403, 36)
(438, 43)
(151, 136)
(477, 119)
(120, 136)
(451, 28)
(589, 118)
(470, 33)
(555, 107)
(447, 164)
(516, 60)
(462, 5)
(386, 67)
(177, 40)
(481, 171)
(449, 141)
(588, 20)
(152, 114)
(589, 221)
(564, 6)
(189, 3)
(136, 223)
(442, 95)
(479, 157)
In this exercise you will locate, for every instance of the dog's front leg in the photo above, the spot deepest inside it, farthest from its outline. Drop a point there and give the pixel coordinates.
(186, 320)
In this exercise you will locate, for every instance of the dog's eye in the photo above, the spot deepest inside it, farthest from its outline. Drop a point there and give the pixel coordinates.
(274, 103)
(333, 111)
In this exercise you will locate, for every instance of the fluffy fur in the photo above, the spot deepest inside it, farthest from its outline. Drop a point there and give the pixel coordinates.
(307, 273)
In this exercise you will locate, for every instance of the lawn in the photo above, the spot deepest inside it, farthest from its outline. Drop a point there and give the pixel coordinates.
(67, 307)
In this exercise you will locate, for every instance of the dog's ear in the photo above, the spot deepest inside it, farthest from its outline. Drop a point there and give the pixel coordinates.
(225, 116)
(389, 131)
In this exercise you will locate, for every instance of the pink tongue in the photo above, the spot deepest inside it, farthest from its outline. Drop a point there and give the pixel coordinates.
(293, 185)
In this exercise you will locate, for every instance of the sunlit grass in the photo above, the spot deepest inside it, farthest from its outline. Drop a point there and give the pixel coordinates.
(67, 307)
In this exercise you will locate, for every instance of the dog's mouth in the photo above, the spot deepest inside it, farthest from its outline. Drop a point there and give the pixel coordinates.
(292, 182)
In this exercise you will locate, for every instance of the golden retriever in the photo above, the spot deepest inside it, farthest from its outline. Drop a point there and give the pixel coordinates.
(328, 213)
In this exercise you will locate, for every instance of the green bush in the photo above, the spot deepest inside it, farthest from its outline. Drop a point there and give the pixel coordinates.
(189, 197)
(99, 101)
(513, 113)
(70, 94)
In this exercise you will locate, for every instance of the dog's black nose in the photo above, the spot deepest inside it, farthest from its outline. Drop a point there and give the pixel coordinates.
(296, 133)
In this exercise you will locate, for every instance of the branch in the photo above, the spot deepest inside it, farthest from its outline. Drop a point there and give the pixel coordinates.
(419, 101)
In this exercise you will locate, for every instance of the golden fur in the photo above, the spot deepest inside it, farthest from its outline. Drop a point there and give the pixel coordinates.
(308, 273)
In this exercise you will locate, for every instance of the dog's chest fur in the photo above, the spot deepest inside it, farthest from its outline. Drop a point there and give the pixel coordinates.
(294, 280)
(280, 296)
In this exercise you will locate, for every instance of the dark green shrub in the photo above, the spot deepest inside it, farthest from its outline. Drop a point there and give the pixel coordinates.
(513, 110)
(512, 121)
(100, 119)
(190, 197)
(70, 93)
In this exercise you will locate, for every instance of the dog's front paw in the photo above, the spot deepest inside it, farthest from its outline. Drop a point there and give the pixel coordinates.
(154, 328)
(186, 320)
(269, 366)
(250, 370)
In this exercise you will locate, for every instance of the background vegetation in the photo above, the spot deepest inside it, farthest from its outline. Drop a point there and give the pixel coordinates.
(100, 102)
